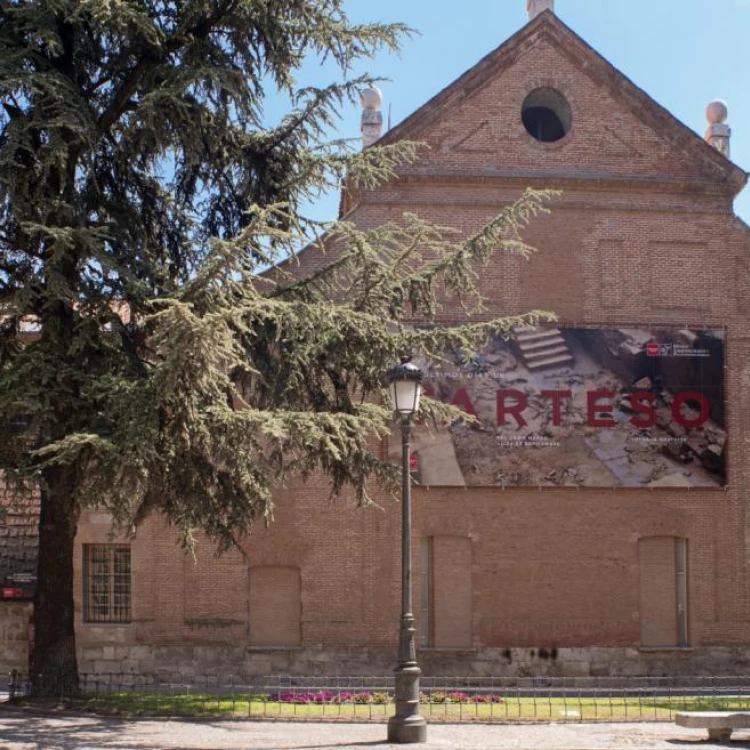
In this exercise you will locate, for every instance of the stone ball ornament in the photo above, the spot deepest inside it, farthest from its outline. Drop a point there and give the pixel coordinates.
(371, 98)
(717, 112)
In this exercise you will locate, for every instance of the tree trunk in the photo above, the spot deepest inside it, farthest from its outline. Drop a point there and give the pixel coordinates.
(55, 668)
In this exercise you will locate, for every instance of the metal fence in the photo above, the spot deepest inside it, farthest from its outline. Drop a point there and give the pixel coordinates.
(446, 699)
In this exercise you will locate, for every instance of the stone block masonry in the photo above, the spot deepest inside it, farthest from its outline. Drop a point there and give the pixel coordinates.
(14, 636)
(246, 664)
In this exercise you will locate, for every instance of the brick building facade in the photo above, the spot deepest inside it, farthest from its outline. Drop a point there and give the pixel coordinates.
(510, 581)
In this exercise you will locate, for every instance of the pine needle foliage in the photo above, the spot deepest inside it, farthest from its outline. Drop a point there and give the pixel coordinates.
(159, 349)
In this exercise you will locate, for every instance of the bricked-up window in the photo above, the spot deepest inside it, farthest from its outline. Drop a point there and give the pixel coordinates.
(445, 592)
(663, 591)
(106, 583)
(275, 606)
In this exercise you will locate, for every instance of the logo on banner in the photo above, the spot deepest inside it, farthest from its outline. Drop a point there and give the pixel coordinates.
(654, 349)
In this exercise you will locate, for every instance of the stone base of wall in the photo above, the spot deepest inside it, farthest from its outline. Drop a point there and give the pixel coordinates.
(244, 663)
(14, 636)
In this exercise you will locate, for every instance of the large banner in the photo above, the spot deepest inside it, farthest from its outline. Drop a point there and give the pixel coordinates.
(580, 407)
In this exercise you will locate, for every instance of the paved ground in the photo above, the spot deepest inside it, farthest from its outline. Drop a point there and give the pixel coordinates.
(28, 731)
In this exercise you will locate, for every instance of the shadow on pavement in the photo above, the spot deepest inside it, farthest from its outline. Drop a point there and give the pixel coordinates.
(51, 731)
(61, 732)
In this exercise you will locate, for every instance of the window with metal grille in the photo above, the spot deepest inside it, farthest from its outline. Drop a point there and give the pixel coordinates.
(106, 583)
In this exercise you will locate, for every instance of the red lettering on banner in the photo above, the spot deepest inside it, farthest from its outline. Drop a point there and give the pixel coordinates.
(596, 406)
(557, 398)
(462, 400)
(637, 400)
(514, 409)
(684, 397)
(512, 403)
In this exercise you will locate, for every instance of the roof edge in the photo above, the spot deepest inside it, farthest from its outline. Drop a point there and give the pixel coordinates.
(639, 101)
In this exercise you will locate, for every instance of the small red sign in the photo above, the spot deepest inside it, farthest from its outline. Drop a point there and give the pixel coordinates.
(413, 463)
(12, 593)
(653, 349)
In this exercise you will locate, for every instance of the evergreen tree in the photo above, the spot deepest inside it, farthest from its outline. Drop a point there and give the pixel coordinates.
(145, 366)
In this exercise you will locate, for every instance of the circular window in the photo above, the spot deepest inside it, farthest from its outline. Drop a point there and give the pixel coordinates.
(546, 115)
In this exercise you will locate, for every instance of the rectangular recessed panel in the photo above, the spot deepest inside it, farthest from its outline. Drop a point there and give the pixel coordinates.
(275, 606)
(658, 591)
(451, 585)
(692, 268)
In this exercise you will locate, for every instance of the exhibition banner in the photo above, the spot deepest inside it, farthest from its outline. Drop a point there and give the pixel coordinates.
(580, 407)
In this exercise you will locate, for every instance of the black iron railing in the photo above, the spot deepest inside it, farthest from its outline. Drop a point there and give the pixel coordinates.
(448, 699)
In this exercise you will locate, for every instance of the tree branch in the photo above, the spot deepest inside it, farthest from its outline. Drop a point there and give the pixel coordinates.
(121, 99)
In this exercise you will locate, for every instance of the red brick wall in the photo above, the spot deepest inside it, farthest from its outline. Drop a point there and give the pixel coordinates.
(643, 235)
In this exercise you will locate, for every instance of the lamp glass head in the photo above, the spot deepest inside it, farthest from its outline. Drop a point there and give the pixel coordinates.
(405, 387)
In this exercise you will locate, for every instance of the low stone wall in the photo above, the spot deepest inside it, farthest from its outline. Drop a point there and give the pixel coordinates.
(245, 663)
(14, 636)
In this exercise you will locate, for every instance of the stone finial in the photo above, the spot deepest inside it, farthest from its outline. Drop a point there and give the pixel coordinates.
(372, 117)
(718, 132)
(535, 7)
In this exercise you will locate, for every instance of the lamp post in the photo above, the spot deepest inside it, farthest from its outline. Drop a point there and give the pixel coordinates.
(407, 726)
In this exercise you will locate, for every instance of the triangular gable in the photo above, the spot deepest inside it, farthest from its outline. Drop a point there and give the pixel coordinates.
(706, 163)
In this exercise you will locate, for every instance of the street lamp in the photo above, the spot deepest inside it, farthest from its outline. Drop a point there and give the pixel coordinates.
(407, 726)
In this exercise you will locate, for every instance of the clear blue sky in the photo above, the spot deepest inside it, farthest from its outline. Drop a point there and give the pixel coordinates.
(683, 53)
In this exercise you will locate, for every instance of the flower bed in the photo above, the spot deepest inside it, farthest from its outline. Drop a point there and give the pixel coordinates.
(333, 697)
(458, 697)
